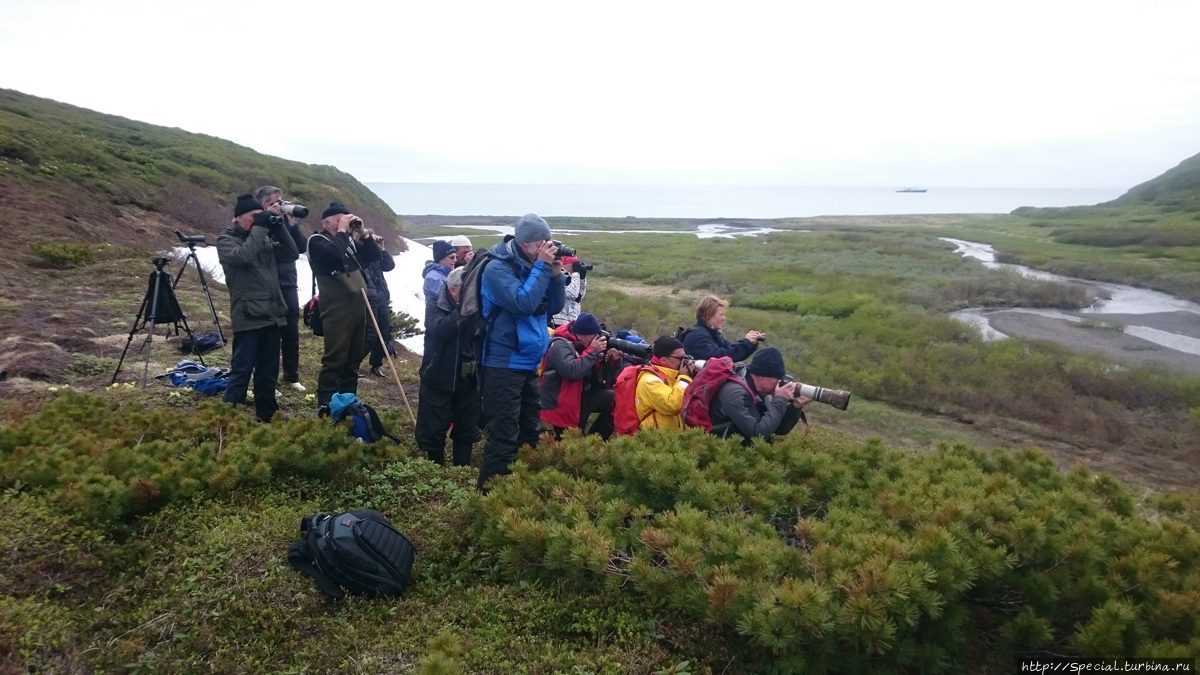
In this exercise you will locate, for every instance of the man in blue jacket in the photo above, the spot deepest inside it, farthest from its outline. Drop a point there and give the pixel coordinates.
(520, 288)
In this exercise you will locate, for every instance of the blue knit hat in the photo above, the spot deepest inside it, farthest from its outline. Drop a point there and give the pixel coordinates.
(586, 324)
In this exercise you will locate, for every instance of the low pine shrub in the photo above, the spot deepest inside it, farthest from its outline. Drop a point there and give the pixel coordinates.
(111, 461)
(854, 559)
(64, 255)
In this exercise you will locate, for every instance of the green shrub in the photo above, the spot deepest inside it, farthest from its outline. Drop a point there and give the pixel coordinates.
(64, 255)
(111, 461)
(853, 559)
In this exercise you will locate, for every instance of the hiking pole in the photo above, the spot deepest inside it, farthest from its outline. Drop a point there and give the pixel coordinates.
(386, 353)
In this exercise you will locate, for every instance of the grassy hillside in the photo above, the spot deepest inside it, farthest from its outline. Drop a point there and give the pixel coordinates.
(87, 199)
(97, 168)
(1177, 189)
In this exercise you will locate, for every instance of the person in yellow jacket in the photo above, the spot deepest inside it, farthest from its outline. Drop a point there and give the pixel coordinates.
(659, 392)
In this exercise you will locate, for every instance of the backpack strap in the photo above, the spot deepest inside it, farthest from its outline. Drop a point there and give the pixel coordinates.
(728, 426)
(302, 555)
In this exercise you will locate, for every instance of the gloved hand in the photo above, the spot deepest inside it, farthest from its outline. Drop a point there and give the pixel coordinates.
(264, 219)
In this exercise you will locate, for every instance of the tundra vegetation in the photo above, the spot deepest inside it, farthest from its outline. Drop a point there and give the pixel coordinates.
(148, 528)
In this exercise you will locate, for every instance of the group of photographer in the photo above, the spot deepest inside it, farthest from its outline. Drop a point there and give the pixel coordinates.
(531, 359)
(515, 376)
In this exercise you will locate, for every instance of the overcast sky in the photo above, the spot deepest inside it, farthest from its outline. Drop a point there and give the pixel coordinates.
(1018, 93)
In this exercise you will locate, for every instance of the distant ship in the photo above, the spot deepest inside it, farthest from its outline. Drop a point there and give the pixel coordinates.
(910, 189)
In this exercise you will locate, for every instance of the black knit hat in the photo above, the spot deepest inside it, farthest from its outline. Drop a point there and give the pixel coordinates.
(335, 208)
(245, 204)
(666, 345)
(768, 363)
(441, 249)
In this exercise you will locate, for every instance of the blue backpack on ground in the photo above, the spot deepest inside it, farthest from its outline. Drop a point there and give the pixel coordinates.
(191, 374)
(357, 552)
(364, 421)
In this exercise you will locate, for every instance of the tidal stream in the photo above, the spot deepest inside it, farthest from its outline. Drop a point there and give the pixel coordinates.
(1164, 320)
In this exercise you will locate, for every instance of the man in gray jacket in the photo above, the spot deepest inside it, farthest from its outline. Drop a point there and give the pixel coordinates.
(248, 251)
(762, 405)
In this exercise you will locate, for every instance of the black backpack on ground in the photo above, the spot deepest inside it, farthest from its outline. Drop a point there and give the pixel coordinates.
(357, 552)
(200, 343)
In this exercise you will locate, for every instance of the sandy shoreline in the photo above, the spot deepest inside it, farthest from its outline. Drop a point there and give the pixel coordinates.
(1099, 334)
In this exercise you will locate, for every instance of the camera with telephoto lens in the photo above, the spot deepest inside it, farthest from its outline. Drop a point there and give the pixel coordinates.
(641, 350)
(190, 238)
(561, 249)
(834, 397)
(294, 210)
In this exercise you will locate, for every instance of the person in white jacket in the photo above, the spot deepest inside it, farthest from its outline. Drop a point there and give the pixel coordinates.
(576, 289)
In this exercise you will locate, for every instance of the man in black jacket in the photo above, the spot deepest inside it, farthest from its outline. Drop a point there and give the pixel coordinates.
(248, 251)
(381, 306)
(271, 199)
(760, 406)
(449, 384)
(337, 254)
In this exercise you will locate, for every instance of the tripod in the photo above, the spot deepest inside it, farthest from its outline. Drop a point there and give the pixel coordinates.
(159, 306)
(191, 243)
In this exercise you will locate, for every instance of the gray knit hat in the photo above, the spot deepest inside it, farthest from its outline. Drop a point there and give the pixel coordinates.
(531, 227)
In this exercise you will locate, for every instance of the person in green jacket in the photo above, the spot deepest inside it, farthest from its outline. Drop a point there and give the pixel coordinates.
(337, 254)
(248, 251)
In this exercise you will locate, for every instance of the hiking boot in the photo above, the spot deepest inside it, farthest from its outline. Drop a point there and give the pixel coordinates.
(378, 372)
(297, 386)
(323, 411)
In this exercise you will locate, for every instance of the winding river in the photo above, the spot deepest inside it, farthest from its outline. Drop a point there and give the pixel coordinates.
(1129, 320)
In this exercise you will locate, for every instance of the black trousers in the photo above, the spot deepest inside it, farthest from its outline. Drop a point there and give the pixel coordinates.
(511, 404)
(383, 315)
(255, 351)
(595, 400)
(438, 410)
(289, 342)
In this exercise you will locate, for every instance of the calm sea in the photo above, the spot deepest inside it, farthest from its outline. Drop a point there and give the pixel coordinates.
(709, 201)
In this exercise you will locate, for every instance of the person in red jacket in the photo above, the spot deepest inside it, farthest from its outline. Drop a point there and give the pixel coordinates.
(577, 375)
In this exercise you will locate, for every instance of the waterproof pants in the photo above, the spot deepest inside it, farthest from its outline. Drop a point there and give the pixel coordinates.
(511, 404)
(439, 408)
(255, 351)
(344, 318)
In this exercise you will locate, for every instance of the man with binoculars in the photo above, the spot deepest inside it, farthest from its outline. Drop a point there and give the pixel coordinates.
(249, 250)
(337, 255)
(272, 200)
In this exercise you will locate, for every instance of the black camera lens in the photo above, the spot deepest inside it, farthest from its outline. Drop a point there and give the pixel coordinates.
(561, 249)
